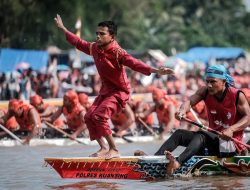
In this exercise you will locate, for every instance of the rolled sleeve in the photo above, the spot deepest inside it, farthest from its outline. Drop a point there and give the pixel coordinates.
(135, 64)
(77, 42)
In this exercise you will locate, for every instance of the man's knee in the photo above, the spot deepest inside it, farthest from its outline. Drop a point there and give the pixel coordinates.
(199, 136)
(179, 131)
(95, 118)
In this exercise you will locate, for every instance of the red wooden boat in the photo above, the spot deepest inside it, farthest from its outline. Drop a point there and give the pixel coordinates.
(146, 167)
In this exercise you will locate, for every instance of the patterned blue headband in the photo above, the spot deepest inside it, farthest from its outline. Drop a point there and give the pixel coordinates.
(219, 71)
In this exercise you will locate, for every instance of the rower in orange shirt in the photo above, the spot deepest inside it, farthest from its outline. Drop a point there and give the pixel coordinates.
(74, 113)
(124, 122)
(141, 107)
(11, 124)
(26, 116)
(165, 110)
(84, 100)
(46, 111)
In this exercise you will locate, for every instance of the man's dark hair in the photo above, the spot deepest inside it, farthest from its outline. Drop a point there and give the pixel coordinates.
(112, 27)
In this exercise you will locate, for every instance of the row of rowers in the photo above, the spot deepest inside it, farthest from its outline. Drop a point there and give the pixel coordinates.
(137, 117)
(30, 117)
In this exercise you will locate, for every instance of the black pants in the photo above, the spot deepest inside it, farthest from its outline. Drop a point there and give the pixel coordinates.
(195, 143)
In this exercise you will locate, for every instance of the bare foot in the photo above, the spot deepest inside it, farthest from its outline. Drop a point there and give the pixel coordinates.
(139, 153)
(100, 153)
(173, 163)
(112, 154)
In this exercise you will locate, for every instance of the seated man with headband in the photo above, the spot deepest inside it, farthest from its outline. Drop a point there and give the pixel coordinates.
(228, 112)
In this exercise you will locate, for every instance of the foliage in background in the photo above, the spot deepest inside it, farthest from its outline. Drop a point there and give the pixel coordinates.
(156, 24)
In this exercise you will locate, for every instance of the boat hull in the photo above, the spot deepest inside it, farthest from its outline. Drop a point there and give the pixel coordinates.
(146, 167)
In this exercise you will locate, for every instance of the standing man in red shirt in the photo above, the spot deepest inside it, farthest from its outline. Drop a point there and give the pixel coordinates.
(110, 60)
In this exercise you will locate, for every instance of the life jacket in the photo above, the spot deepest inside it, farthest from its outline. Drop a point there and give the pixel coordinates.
(149, 119)
(58, 123)
(163, 113)
(72, 118)
(24, 120)
(45, 106)
(119, 119)
(11, 123)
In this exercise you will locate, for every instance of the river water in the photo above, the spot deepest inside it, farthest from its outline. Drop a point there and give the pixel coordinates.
(21, 167)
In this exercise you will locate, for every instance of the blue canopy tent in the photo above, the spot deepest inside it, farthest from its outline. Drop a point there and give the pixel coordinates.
(83, 56)
(204, 54)
(10, 58)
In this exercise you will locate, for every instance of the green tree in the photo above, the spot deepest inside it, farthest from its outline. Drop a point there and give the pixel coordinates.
(155, 24)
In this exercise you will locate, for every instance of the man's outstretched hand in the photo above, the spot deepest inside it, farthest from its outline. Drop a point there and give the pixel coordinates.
(165, 71)
(59, 23)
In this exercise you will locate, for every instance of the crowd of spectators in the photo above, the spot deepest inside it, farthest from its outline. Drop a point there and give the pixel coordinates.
(53, 82)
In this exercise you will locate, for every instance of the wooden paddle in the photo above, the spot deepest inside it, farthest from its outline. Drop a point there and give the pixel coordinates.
(206, 128)
(126, 139)
(63, 132)
(195, 116)
(146, 126)
(11, 134)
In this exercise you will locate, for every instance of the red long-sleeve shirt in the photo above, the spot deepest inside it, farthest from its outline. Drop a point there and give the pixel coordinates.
(109, 63)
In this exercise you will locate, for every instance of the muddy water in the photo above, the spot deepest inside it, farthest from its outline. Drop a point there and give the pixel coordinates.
(22, 168)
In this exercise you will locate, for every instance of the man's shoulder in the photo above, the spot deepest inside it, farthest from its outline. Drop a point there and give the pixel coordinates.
(120, 52)
(234, 90)
(117, 49)
(202, 91)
